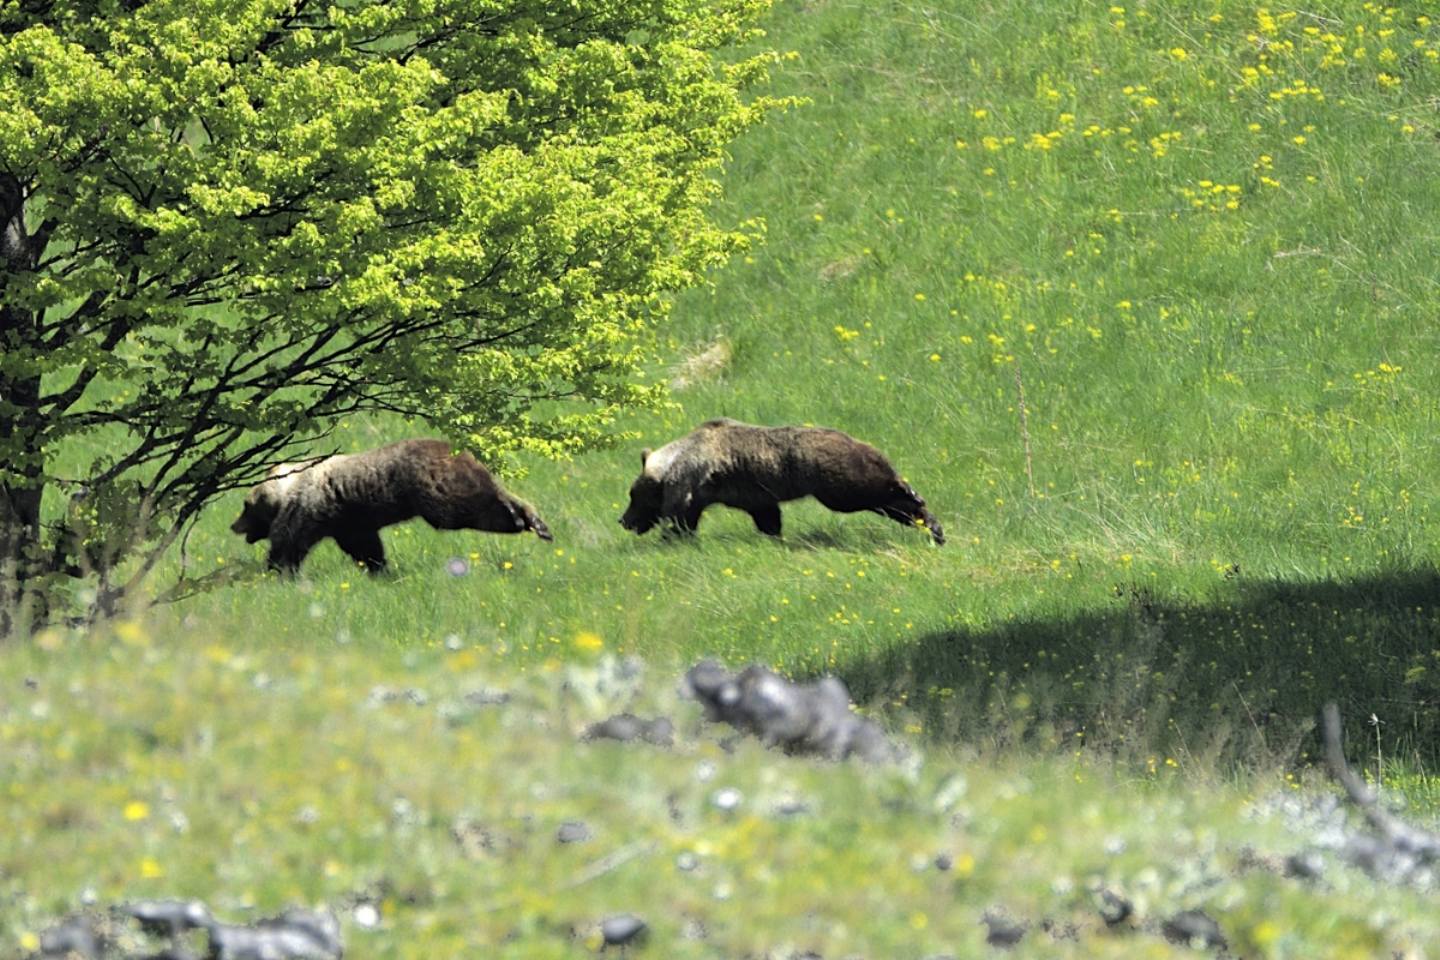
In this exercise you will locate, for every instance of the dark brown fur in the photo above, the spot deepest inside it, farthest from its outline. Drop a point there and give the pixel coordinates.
(756, 469)
(351, 496)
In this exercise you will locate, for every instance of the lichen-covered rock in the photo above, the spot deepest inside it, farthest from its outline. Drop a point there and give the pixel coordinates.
(75, 936)
(812, 718)
(1193, 928)
(626, 727)
(623, 929)
(164, 918)
(296, 934)
(293, 935)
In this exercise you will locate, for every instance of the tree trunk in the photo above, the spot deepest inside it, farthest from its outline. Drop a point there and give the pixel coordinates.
(23, 468)
(20, 494)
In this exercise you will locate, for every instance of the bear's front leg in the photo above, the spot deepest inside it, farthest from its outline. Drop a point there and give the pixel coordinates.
(682, 511)
(291, 537)
(686, 522)
(365, 548)
(767, 519)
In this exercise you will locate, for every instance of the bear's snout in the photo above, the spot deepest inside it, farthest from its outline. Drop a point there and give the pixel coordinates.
(634, 525)
(247, 529)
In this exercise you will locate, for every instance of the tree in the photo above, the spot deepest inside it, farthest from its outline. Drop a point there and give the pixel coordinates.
(224, 224)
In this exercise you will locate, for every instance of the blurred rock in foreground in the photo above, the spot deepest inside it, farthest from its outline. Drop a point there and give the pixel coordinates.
(811, 718)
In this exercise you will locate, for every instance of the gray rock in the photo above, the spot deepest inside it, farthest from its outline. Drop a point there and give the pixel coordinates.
(810, 718)
(791, 807)
(1001, 930)
(623, 930)
(320, 925)
(487, 697)
(294, 935)
(254, 943)
(166, 918)
(1193, 928)
(627, 727)
(71, 937)
(1115, 909)
(573, 831)
(1305, 865)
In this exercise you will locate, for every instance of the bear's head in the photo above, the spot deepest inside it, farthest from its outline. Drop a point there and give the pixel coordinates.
(647, 494)
(257, 515)
(263, 503)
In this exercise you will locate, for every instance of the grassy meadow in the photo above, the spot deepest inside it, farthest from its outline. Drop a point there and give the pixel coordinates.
(1194, 243)
(1140, 298)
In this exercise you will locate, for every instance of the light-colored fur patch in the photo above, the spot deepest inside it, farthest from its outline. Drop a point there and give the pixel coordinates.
(285, 475)
(659, 461)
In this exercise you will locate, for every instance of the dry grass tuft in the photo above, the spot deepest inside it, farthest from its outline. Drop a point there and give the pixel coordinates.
(705, 365)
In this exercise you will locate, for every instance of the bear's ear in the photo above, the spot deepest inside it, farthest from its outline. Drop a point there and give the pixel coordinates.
(644, 455)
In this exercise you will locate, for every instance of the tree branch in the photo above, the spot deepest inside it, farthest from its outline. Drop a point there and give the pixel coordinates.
(1421, 844)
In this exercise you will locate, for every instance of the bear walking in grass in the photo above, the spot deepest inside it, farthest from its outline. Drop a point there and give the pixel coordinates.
(755, 469)
(351, 496)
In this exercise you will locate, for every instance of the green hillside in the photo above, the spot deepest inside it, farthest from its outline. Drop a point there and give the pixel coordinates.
(1195, 244)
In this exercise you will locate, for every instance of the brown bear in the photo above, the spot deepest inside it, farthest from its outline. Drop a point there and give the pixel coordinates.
(351, 496)
(756, 469)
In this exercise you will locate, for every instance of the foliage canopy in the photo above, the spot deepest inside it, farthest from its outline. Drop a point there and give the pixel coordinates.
(227, 223)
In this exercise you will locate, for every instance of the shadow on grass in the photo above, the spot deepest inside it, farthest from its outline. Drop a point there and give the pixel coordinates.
(812, 540)
(1236, 679)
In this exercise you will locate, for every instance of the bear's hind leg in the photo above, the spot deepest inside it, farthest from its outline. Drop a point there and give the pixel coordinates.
(365, 548)
(767, 519)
